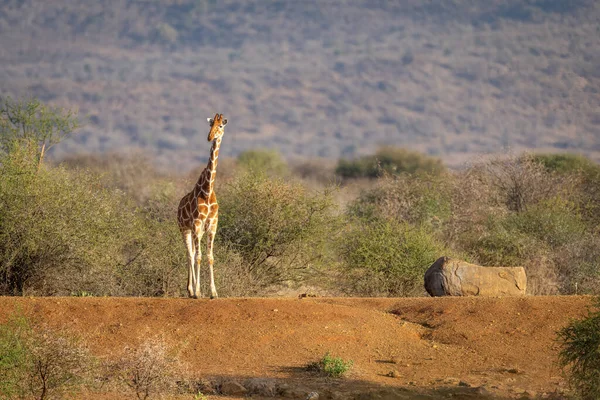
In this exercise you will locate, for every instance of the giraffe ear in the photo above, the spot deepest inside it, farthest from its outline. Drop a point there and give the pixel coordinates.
(224, 122)
(210, 121)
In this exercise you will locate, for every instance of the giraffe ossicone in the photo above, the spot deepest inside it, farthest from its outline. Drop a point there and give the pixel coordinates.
(198, 213)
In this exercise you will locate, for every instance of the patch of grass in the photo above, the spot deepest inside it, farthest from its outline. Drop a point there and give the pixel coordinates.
(334, 367)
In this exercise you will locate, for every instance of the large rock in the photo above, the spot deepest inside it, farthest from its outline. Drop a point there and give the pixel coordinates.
(449, 277)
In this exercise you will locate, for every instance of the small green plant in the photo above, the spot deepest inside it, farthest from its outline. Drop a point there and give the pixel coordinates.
(334, 367)
(580, 353)
(200, 396)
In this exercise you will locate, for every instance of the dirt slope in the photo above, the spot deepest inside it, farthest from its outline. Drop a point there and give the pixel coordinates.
(503, 345)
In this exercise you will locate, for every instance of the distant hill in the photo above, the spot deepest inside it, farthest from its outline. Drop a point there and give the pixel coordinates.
(330, 78)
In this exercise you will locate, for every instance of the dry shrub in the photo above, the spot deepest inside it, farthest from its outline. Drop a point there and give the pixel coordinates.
(40, 362)
(148, 369)
(515, 183)
(231, 276)
(315, 170)
(542, 276)
(419, 199)
(132, 173)
(58, 363)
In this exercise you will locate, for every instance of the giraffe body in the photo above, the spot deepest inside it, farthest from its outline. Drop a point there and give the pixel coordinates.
(198, 214)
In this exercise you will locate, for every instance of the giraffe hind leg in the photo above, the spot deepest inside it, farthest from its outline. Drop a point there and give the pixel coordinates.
(210, 237)
(189, 244)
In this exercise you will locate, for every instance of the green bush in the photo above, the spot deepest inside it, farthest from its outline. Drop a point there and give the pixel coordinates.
(580, 353)
(55, 224)
(554, 221)
(280, 229)
(389, 160)
(565, 163)
(62, 232)
(511, 238)
(333, 367)
(386, 257)
(267, 162)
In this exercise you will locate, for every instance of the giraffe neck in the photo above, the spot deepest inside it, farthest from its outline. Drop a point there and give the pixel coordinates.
(207, 178)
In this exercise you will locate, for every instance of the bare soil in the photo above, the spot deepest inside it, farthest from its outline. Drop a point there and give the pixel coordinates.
(435, 347)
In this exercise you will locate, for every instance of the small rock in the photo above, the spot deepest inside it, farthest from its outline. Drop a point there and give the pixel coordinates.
(312, 396)
(233, 388)
(393, 374)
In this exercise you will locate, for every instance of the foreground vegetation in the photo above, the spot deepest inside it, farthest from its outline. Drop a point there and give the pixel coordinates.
(580, 353)
(105, 226)
(40, 363)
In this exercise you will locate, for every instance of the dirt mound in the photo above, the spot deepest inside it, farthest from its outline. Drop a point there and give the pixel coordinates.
(502, 346)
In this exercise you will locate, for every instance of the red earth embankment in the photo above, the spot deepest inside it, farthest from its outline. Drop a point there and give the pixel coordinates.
(506, 346)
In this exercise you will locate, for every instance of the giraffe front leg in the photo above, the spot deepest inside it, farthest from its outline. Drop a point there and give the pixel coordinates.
(212, 229)
(189, 245)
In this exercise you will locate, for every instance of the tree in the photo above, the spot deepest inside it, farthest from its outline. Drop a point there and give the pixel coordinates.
(33, 124)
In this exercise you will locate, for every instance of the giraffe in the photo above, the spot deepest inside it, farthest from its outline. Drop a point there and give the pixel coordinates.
(198, 213)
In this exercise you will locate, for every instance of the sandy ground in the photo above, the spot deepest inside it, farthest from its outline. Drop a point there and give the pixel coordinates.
(433, 347)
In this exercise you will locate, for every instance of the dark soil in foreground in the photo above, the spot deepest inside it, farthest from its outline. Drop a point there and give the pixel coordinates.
(471, 348)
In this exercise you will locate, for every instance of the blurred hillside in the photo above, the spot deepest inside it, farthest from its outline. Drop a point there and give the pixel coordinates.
(330, 78)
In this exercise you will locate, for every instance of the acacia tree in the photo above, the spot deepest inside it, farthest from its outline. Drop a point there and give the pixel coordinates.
(33, 124)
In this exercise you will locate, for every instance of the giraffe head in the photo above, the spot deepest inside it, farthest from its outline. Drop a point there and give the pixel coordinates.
(216, 126)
